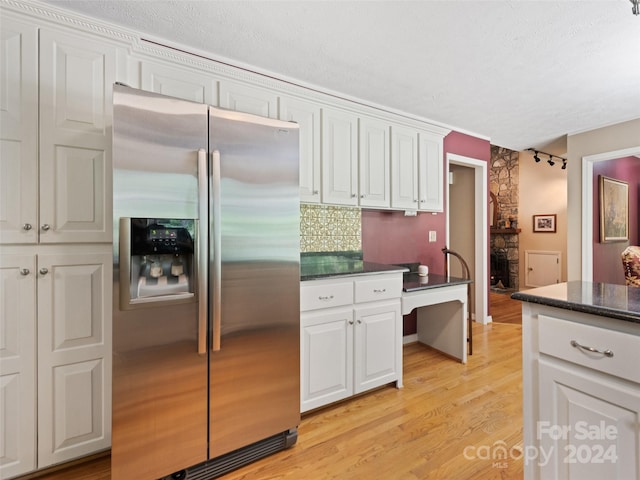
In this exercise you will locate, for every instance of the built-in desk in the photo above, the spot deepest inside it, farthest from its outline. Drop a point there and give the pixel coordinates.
(442, 311)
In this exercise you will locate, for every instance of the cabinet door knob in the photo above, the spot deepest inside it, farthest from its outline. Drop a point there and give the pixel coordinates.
(45, 227)
(350, 322)
(27, 226)
(353, 195)
(359, 321)
(315, 192)
(44, 271)
(24, 271)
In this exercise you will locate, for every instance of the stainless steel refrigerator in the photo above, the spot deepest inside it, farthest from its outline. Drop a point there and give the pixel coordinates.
(206, 287)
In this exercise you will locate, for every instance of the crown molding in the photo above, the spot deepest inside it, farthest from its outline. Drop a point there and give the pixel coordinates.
(160, 50)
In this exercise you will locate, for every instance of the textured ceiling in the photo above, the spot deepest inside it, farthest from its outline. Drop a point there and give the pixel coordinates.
(523, 73)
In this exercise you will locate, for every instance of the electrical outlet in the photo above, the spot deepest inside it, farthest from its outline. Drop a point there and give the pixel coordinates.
(432, 235)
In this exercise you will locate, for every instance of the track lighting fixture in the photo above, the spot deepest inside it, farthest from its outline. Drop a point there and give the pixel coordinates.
(550, 155)
(636, 7)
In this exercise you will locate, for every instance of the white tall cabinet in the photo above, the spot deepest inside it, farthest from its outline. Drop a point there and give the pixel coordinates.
(56, 233)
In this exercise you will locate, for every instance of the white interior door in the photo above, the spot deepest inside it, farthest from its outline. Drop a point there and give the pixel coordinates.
(541, 268)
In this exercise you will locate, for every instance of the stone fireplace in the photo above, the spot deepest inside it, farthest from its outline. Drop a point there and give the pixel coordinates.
(504, 245)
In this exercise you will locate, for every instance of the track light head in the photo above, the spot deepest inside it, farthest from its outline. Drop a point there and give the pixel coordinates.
(535, 156)
(550, 161)
(636, 7)
(564, 164)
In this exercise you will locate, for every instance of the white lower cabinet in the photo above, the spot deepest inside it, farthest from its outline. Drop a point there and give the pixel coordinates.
(55, 367)
(581, 408)
(349, 347)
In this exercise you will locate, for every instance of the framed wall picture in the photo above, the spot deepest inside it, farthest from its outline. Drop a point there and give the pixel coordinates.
(544, 223)
(614, 210)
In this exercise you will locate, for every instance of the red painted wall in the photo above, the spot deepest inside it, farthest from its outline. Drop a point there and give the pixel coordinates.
(390, 237)
(607, 264)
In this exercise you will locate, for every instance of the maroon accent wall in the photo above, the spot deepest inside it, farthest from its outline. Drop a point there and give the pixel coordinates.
(390, 237)
(607, 264)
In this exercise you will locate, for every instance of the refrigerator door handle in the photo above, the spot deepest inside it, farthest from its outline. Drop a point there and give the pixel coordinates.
(203, 251)
(216, 253)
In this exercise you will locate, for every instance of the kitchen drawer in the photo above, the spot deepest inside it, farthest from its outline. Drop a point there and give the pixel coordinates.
(556, 335)
(315, 295)
(378, 288)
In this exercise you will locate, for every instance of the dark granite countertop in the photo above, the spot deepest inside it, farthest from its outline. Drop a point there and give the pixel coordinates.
(412, 282)
(604, 299)
(318, 267)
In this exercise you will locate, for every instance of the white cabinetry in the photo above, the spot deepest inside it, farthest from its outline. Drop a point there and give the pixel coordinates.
(55, 174)
(416, 169)
(307, 116)
(339, 157)
(62, 399)
(76, 83)
(183, 83)
(248, 99)
(18, 132)
(351, 337)
(404, 168)
(374, 173)
(581, 408)
(17, 364)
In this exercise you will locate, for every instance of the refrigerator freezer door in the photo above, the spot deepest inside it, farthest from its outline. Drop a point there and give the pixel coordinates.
(254, 375)
(159, 379)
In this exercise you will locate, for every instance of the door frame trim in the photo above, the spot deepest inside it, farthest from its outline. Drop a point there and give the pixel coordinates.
(481, 240)
(587, 204)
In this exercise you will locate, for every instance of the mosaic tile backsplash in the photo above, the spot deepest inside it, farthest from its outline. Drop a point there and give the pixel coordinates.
(325, 228)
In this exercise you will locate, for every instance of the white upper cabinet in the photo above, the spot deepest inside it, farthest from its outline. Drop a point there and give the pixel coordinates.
(416, 169)
(249, 99)
(374, 171)
(339, 157)
(404, 168)
(307, 116)
(18, 132)
(184, 83)
(77, 74)
(430, 168)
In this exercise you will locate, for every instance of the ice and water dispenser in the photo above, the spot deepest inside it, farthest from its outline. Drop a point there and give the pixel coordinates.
(157, 261)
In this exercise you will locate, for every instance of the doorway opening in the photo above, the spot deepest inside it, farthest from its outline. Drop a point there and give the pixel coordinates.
(470, 211)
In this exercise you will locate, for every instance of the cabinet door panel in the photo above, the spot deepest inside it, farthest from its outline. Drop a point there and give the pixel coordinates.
(430, 172)
(17, 365)
(307, 116)
(589, 423)
(339, 157)
(18, 131)
(326, 352)
(404, 168)
(375, 185)
(244, 98)
(76, 83)
(179, 83)
(74, 356)
(376, 343)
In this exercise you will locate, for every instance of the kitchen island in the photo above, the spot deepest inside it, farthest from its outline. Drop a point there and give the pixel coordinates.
(581, 380)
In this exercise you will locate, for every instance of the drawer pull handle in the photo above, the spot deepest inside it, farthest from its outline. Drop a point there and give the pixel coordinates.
(324, 299)
(606, 353)
(378, 290)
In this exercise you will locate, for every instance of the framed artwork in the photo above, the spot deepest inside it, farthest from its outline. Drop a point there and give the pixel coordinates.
(544, 223)
(614, 210)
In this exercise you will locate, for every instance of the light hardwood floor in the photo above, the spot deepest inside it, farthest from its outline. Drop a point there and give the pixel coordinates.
(446, 423)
